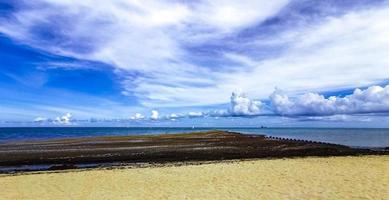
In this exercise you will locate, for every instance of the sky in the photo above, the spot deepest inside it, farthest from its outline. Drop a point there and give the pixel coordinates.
(194, 63)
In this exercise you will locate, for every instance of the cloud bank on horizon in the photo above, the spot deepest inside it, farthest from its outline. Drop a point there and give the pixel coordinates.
(372, 100)
(183, 59)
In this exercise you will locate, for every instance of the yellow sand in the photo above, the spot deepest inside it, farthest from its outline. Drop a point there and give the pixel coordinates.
(364, 177)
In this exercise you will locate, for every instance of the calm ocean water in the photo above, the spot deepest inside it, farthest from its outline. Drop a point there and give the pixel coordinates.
(347, 136)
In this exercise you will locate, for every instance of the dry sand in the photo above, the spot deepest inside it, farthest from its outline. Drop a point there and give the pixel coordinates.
(365, 177)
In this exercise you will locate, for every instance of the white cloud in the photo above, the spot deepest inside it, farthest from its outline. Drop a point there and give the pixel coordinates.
(146, 37)
(339, 52)
(173, 116)
(241, 105)
(334, 118)
(149, 38)
(65, 119)
(195, 114)
(219, 113)
(40, 119)
(154, 115)
(225, 16)
(374, 99)
(137, 116)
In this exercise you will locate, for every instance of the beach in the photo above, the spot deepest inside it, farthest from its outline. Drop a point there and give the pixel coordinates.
(197, 165)
(348, 177)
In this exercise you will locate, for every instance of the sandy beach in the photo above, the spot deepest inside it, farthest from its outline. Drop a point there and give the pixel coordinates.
(352, 177)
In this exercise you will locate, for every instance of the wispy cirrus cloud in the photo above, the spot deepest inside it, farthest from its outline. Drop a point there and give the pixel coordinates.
(146, 38)
(196, 53)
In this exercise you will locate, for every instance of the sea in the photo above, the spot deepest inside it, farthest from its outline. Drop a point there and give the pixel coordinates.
(354, 137)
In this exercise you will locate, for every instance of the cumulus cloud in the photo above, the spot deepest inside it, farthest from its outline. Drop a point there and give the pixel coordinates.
(40, 119)
(241, 105)
(374, 99)
(154, 115)
(173, 115)
(219, 113)
(137, 116)
(195, 114)
(65, 119)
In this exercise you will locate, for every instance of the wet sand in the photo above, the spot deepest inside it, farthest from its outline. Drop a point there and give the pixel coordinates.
(353, 177)
(189, 147)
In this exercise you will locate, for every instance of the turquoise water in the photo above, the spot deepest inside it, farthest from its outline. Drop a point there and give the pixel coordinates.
(355, 137)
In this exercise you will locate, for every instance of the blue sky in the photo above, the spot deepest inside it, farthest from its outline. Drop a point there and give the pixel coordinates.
(202, 63)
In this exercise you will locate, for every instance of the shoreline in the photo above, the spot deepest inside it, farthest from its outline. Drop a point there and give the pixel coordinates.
(195, 147)
(129, 166)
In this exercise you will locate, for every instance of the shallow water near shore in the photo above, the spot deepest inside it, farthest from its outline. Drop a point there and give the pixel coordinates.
(354, 137)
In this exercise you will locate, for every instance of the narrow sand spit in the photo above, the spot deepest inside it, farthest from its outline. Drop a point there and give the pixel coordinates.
(364, 177)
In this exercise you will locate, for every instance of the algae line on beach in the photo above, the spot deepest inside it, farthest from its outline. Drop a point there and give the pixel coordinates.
(187, 147)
